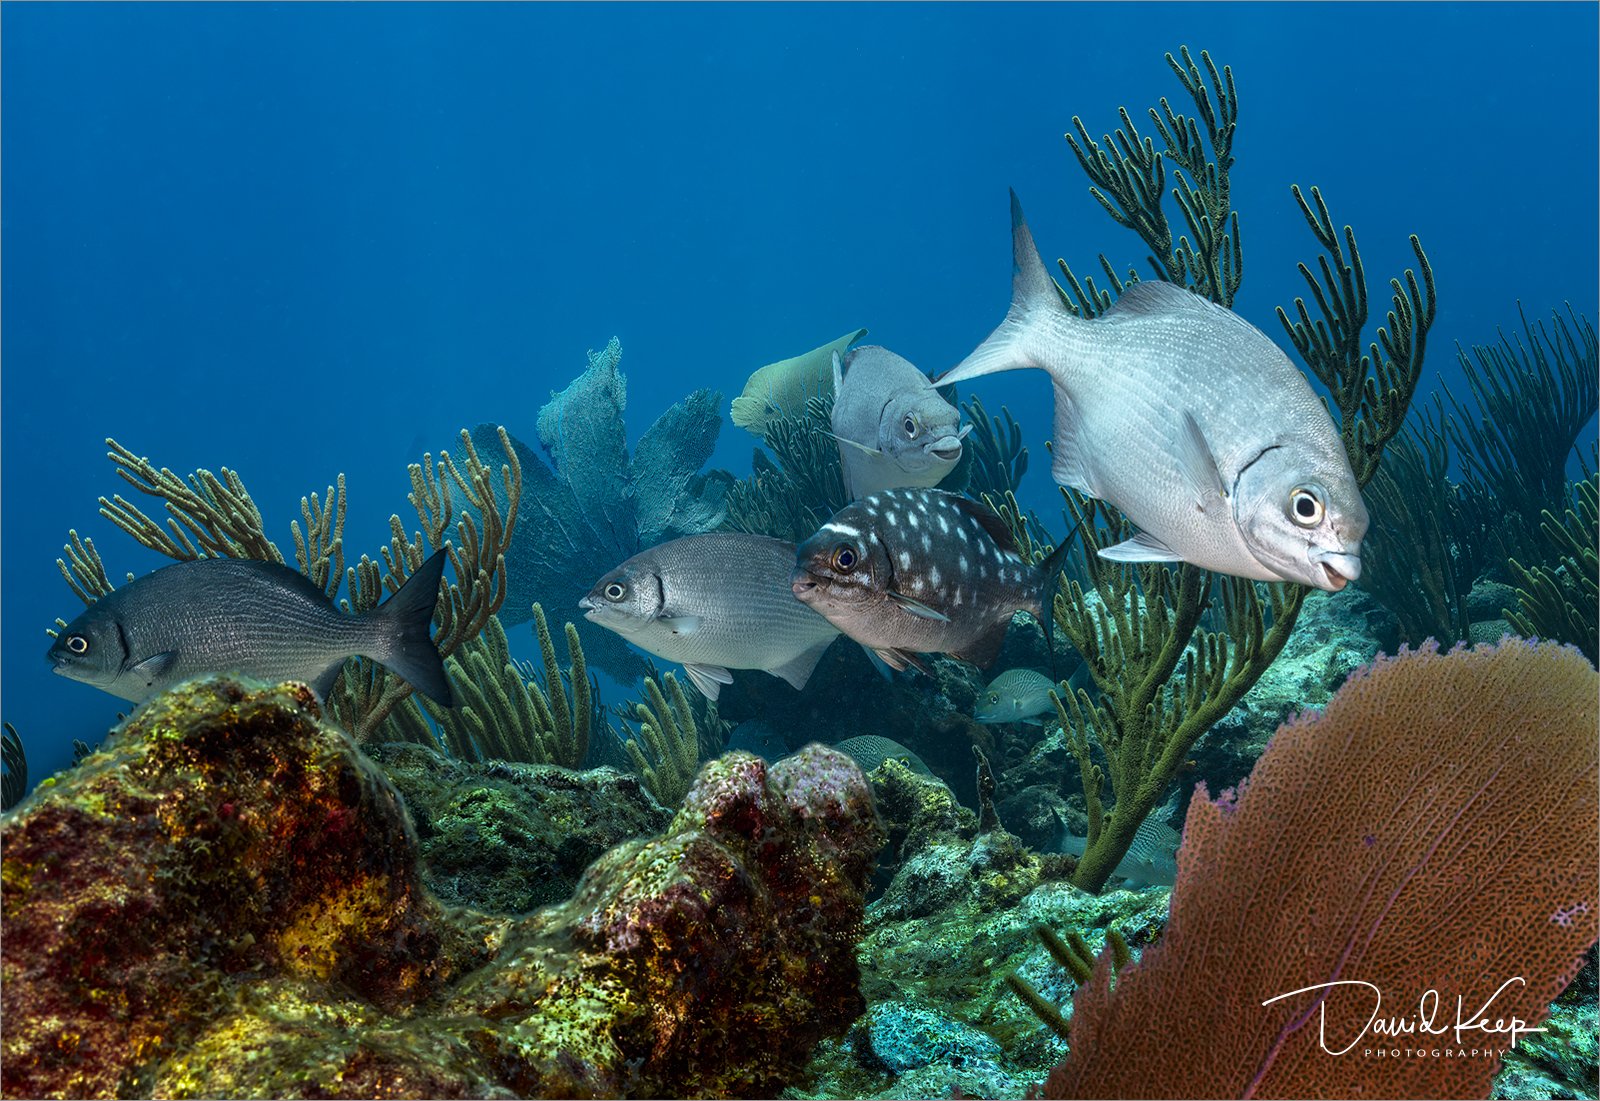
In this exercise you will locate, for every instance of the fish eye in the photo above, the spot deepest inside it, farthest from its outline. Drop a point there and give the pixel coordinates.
(77, 644)
(910, 426)
(1305, 507)
(844, 557)
(616, 591)
(994, 697)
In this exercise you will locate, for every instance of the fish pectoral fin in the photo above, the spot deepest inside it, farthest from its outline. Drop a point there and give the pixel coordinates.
(898, 660)
(798, 669)
(873, 451)
(838, 372)
(917, 607)
(1198, 464)
(878, 662)
(681, 624)
(1143, 547)
(708, 678)
(154, 666)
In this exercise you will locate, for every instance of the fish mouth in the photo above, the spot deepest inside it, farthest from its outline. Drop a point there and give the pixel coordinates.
(802, 584)
(1338, 568)
(946, 448)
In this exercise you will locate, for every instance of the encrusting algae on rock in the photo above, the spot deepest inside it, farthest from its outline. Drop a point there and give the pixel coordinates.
(226, 903)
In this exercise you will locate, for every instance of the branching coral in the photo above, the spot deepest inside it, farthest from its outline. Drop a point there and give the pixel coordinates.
(670, 753)
(591, 506)
(1161, 677)
(999, 460)
(1356, 831)
(502, 710)
(790, 498)
(212, 516)
(1562, 601)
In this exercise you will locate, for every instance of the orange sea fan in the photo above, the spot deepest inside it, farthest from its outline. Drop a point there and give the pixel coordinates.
(1433, 830)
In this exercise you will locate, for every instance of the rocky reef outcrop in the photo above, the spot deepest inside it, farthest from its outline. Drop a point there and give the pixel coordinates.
(226, 902)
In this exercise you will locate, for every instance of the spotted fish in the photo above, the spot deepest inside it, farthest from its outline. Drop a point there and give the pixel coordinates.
(1017, 695)
(1152, 858)
(910, 571)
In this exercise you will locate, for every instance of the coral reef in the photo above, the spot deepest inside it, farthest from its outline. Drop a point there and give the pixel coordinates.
(1561, 599)
(592, 505)
(225, 902)
(1356, 831)
(505, 837)
(666, 751)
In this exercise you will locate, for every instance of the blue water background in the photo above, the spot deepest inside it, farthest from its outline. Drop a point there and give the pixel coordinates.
(298, 240)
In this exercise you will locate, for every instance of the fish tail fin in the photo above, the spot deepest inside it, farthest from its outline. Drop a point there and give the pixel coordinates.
(1034, 298)
(1050, 572)
(403, 622)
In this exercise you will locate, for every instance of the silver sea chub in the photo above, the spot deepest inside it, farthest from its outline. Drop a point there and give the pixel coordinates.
(893, 428)
(1191, 421)
(713, 603)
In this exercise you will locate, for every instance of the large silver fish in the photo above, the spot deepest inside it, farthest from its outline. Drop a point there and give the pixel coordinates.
(1191, 421)
(260, 619)
(781, 389)
(713, 603)
(893, 428)
(913, 571)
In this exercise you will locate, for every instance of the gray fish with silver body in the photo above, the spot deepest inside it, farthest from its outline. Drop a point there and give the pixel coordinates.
(259, 619)
(714, 602)
(1191, 421)
(893, 428)
(910, 571)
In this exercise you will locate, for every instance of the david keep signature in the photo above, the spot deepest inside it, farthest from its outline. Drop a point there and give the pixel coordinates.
(1429, 1019)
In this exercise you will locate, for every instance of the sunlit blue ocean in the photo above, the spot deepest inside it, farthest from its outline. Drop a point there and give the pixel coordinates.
(305, 240)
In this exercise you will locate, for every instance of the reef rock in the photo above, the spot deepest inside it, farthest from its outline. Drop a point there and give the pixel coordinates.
(504, 837)
(226, 902)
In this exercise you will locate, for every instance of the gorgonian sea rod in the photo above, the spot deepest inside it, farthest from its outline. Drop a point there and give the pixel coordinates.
(1433, 830)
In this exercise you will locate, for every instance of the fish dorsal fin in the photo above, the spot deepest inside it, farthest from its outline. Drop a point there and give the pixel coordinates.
(1143, 547)
(983, 650)
(798, 669)
(1152, 296)
(708, 678)
(917, 607)
(1198, 464)
(989, 521)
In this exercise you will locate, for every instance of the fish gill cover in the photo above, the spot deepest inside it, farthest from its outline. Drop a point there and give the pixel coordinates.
(590, 505)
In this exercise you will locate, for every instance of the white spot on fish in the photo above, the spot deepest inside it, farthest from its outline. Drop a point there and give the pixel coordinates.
(905, 560)
(963, 563)
(841, 529)
(957, 600)
(961, 532)
(944, 526)
(927, 544)
(911, 518)
(889, 516)
(933, 576)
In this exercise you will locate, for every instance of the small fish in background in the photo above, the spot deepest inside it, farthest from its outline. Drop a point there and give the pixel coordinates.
(912, 571)
(782, 389)
(258, 619)
(1152, 859)
(1017, 695)
(869, 751)
(712, 603)
(893, 428)
(1191, 421)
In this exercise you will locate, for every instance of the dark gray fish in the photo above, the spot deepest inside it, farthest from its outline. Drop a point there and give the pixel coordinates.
(258, 619)
(869, 751)
(714, 602)
(910, 571)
